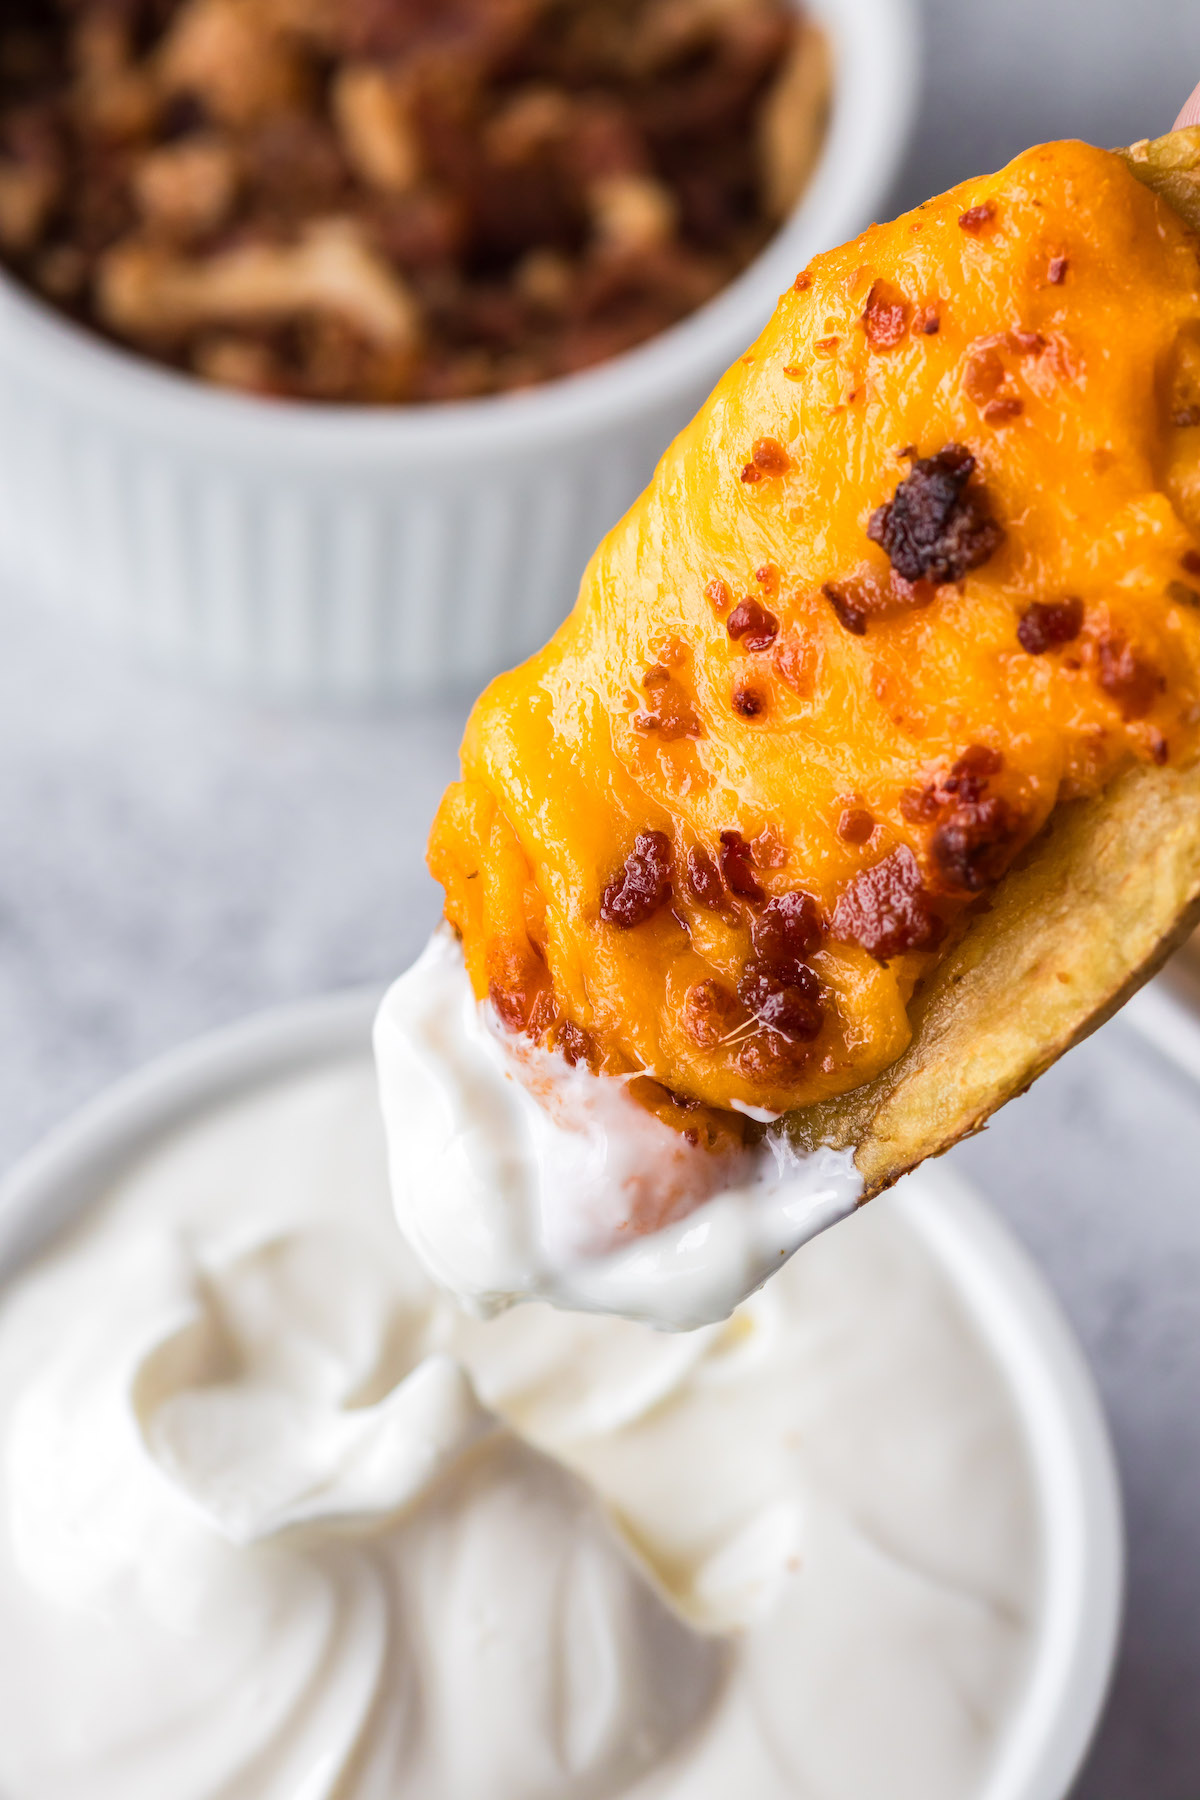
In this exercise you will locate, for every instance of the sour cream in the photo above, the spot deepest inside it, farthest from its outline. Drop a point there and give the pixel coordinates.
(516, 1176)
(280, 1521)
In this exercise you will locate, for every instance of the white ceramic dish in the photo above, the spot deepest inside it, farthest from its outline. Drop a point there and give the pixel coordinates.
(1069, 1449)
(354, 554)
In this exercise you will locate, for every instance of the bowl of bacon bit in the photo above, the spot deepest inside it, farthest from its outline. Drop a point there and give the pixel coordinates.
(335, 333)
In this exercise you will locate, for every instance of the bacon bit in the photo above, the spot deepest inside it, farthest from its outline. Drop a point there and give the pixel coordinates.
(886, 316)
(769, 457)
(673, 716)
(794, 371)
(919, 805)
(802, 281)
(672, 652)
(718, 596)
(972, 768)
(704, 878)
(886, 910)
(788, 929)
(1159, 749)
(1131, 681)
(794, 663)
(751, 474)
(1056, 270)
(752, 625)
(964, 784)
(748, 701)
(977, 218)
(768, 577)
(999, 412)
(1182, 595)
(906, 453)
(767, 1057)
(1028, 343)
(936, 527)
(856, 825)
(984, 375)
(851, 615)
(826, 346)
(1190, 560)
(1048, 624)
(643, 885)
(576, 1045)
(786, 999)
(711, 1011)
(976, 843)
(517, 987)
(927, 320)
(736, 866)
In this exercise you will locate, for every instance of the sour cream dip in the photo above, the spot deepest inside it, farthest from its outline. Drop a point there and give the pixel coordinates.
(279, 1520)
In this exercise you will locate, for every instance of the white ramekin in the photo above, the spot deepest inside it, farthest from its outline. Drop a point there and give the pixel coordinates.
(1067, 1442)
(355, 554)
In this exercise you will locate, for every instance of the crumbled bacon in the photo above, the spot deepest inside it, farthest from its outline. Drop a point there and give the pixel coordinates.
(710, 1012)
(751, 625)
(718, 596)
(748, 701)
(1056, 270)
(769, 457)
(704, 878)
(974, 845)
(643, 885)
(767, 1057)
(847, 607)
(794, 663)
(786, 999)
(978, 218)
(855, 825)
(886, 909)
(737, 866)
(789, 928)
(1132, 682)
(937, 527)
(885, 318)
(1048, 624)
(575, 1044)
(671, 715)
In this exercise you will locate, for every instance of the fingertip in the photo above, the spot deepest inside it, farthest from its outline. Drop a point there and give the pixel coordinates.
(1190, 115)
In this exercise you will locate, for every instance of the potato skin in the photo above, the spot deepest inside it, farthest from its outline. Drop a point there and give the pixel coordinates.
(822, 655)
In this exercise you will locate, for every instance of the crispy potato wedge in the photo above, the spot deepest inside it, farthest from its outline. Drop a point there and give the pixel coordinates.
(1090, 913)
(1095, 907)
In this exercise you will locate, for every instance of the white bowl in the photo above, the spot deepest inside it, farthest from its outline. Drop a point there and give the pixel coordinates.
(354, 553)
(1070, 1456)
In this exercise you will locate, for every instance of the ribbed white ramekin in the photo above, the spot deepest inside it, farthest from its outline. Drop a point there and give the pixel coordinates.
(354, 553)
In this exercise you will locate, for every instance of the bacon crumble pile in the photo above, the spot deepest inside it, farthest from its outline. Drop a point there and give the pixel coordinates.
(397, 200)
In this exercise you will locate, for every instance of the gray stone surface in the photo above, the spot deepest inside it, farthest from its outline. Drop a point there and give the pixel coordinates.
(170, 859)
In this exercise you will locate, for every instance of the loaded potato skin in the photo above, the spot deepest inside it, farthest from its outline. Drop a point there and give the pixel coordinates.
(926, 565)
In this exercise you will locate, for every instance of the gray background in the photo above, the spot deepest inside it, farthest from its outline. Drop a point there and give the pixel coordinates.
(170, 860)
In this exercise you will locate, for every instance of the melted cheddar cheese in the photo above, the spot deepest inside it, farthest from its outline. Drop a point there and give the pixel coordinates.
(926, 564)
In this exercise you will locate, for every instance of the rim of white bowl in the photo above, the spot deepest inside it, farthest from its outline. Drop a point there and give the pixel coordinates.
(873, 105)
(1073, 1464)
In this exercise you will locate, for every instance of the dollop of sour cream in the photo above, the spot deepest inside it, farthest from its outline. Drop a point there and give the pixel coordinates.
(516, 1176)
(280, 1521)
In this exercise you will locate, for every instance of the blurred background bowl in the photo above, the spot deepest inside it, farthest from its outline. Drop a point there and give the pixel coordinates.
(360, 554)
